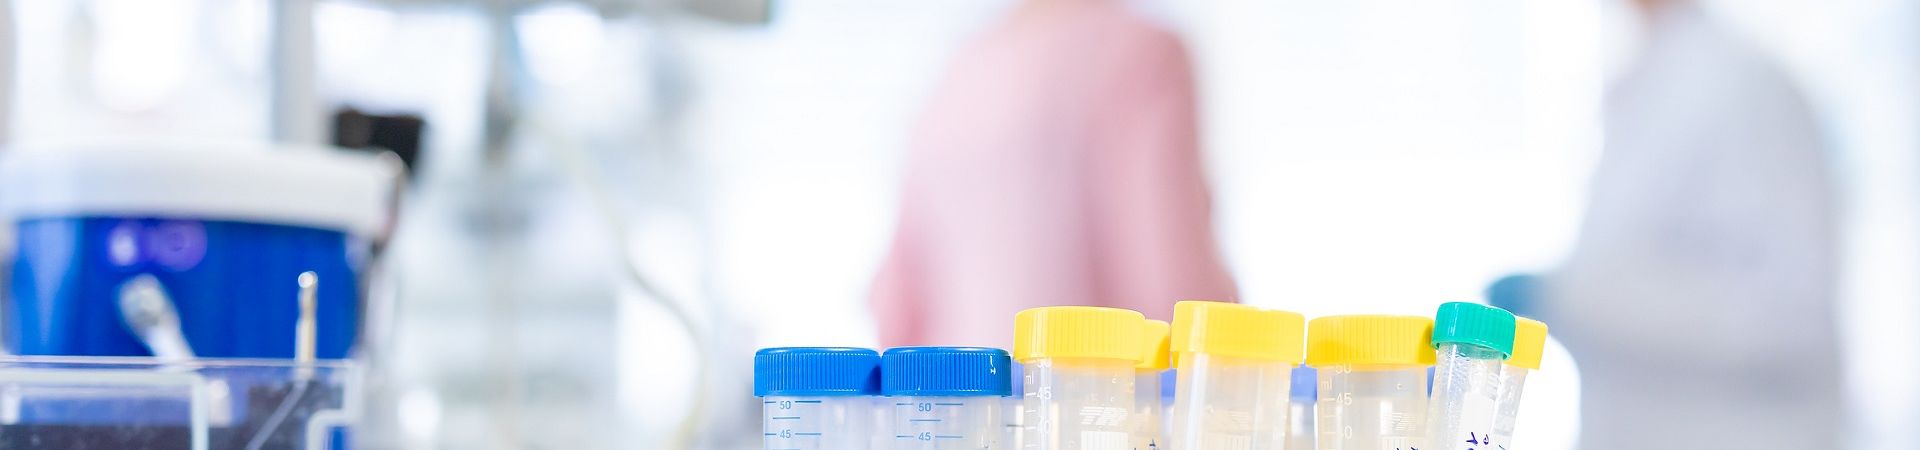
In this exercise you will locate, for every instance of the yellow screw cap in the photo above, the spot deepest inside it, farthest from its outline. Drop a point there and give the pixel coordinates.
(1529, 341)
(1153, 345)
(1238, 331)
(1370, 340)
(1077, 332)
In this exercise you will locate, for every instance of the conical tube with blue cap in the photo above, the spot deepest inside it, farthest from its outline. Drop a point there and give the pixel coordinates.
(945, 398)
(816, 398)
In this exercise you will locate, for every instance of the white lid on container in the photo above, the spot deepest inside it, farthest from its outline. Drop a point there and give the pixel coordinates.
(313, 186)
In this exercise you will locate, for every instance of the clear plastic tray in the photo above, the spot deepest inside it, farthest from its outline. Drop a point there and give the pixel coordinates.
(127, 403)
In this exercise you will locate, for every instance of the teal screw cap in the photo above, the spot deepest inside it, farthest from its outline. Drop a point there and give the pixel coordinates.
(1474, 323)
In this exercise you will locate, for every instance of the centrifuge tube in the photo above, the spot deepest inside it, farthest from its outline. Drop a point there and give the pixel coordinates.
(1471, 344)
(1148, 410)
(1373, 380)
(1013, 417)
(1300, 409)
(1079, 368)
(945, 398)
(1232, 371)
(816, 398)
(1529, 341)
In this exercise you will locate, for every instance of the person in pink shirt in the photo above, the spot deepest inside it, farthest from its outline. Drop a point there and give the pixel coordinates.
(1058, 163)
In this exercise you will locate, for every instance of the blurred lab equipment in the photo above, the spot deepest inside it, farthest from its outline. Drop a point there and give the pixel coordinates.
(1233, 368)
(397, 133)
(576, 217)
(1471, 344)
(63, 403)
(1708, 245)
(945, 398)
(1529, 342)
(1079, 368)
(1373, 380)
(171, 248)
(148, 312)
(1517, 293)
(1149, 408)
(816, 398)
(1057, 163)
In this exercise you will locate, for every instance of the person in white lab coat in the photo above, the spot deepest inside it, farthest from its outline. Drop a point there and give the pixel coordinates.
(1700, 296)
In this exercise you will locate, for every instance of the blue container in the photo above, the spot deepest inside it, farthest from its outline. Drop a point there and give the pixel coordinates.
(232, 284)
(225, 229)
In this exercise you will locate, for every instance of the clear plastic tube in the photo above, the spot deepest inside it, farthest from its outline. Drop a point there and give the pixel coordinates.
(1300, 409)
(1013, 431)
(883, 416)
(1078, 404)
(1300, 424)
(817, 423)
(1371, 407)
(1013, 411)
(1225, 403)
(946, 423)
(1529, 345)
(1148, 411)
(1466, 394)
(1513, 380)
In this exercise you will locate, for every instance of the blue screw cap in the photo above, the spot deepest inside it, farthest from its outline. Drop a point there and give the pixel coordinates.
(1306, 384)
(946, 372)
(816, 371)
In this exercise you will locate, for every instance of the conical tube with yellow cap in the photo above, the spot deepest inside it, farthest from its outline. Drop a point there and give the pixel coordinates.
(1148, 411)
(1373, 380)
(1079, 375)
(1233, 370)
(1529, 342)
